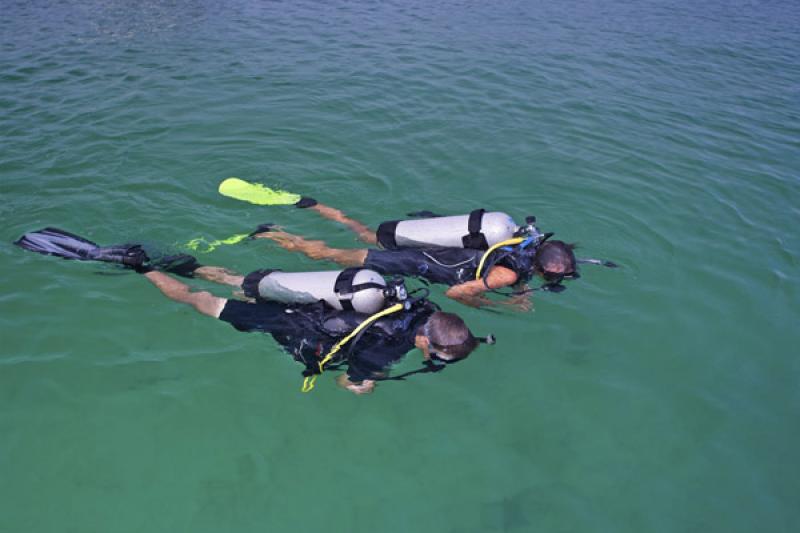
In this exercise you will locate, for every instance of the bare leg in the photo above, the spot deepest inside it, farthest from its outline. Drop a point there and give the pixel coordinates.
(223, 276)
(364, 233)
(219, 275)
(315, 249)
(203, 301)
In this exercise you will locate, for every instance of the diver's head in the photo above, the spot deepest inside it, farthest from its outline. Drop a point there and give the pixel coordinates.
(445, 337)
(555, 260)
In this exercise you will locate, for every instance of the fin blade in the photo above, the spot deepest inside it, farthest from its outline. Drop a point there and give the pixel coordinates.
(255, 193)
(54, 241)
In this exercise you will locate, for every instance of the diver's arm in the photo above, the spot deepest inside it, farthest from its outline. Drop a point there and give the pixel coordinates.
(471, 292)
(364, 233)
(365, 387)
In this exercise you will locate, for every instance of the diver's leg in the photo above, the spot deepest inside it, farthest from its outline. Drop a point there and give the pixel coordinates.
(187, 266)
(364, 233)
(203, 301)
(315, 249)
(219, 275)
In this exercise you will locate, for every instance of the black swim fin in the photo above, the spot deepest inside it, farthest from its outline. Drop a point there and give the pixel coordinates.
(54, 241)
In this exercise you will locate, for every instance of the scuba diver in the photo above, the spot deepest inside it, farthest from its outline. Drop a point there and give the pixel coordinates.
(351, 319)
(473, 254)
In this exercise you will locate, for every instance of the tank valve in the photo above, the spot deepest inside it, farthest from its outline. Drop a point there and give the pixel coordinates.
(530, 229)
(396, 289)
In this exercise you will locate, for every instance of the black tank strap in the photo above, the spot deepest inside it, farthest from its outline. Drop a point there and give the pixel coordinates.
(475, 239)
(368, 285)
(344, 285)
(386, 235)
(344, 282)
(251, 281)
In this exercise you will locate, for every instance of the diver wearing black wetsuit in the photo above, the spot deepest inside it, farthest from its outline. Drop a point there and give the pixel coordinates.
(468, 272)
(309, 331)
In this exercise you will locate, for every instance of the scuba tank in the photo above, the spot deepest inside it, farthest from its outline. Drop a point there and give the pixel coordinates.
(352, 289)
(478, 230)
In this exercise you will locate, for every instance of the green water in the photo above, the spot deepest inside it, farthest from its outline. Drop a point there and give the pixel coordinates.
(661, 397)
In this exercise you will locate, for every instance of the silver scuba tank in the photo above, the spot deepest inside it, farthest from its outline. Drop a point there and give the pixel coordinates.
(352, 289)
(478, 230)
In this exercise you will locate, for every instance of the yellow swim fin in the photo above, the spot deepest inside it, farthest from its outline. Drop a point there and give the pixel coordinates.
(255, 193)
(205, 246)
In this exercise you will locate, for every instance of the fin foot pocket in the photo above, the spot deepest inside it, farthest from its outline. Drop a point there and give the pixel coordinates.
(305, 201)
(182, 265)
(263, 228)
(129, 255)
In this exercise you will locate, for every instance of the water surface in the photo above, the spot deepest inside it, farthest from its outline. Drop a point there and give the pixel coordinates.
(662, 396)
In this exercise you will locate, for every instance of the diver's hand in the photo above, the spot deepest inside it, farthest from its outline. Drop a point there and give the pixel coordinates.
(519, 302)
(365, 387)
(471, 301)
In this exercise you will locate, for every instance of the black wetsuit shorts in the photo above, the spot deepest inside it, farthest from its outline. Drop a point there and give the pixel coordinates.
(450, 266)
(267, 317)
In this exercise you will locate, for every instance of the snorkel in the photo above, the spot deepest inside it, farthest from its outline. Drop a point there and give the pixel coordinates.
(556, 262)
